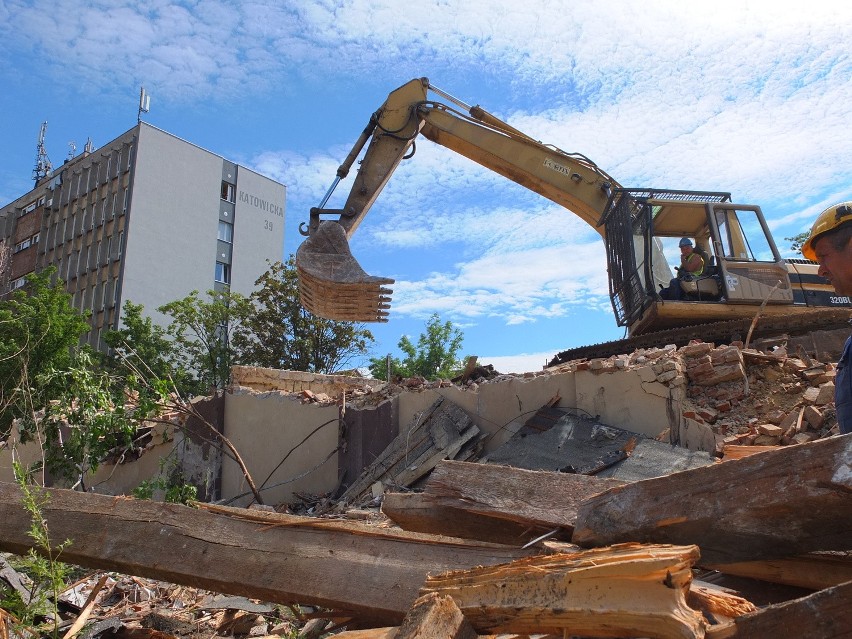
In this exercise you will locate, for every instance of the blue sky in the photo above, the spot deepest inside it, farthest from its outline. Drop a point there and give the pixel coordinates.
(747, 97)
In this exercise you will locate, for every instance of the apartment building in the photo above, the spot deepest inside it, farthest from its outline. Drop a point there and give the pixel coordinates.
(146, 218)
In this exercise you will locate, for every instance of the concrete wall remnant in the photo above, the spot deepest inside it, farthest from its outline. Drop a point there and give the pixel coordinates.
(288, 446)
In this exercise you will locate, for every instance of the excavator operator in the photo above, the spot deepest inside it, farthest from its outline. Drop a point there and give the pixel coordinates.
(830, 244)
(691, 266)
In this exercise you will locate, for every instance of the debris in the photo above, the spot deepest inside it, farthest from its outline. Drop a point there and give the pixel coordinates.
(441, 432)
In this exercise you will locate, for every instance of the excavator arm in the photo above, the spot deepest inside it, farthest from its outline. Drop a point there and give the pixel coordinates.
(331, 282)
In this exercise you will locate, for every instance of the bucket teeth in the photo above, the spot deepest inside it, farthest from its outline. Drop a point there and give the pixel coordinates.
(333, 285)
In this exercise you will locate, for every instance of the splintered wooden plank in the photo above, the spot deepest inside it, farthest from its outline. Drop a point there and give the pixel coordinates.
(786, 502)
(826, 614)
(628, 590)
(438, 432)
(435, 616)
(494, 503)
(372, 574)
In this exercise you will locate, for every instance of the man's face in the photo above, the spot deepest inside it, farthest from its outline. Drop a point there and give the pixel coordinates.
(685, 250)
(835, 265)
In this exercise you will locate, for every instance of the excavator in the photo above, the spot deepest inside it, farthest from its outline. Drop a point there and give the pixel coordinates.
(744, 275)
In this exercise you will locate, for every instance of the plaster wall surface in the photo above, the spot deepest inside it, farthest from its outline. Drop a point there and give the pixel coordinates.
(628, 399)
(110, 478)
(265, 427)
(123, 479)
(258, 227)
(172, 222)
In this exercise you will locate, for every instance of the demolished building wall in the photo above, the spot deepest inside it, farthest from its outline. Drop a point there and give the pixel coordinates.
(281, 440)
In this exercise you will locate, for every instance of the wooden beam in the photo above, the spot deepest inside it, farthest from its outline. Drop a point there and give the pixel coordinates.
(812, 571)
(628, 590)
(372, 574)
(423, 513)
(781, 503)
(823, 615)
(494, 503)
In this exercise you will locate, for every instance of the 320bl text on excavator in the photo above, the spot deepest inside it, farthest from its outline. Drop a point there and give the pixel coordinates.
(744, 272)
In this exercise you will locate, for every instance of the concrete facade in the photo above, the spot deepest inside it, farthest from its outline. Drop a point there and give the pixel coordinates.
(147, 218)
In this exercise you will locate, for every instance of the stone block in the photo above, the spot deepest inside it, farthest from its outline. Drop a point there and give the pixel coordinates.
(775, 416)
(719, 374)
(810, 395)
(771, 430)
(695, 350)
(803, 438)
(814, 416)
(767, 440)
(826, 394)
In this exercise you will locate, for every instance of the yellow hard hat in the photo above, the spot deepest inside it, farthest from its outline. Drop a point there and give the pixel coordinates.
(829, 220)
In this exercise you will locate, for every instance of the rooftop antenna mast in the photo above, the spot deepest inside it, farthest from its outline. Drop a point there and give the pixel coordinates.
(43, 167)
(144, 103)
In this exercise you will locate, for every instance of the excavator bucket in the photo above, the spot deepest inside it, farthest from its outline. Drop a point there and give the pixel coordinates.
(333, 285)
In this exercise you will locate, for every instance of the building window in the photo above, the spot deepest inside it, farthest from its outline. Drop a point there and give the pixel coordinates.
(129, 156)
(120, 243)
(223, 273)
(20, 246)
(18, 283)
(124, 206)
(229, 192)
(226, 231)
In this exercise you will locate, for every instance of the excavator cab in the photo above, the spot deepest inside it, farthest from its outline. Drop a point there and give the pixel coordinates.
(742, 265)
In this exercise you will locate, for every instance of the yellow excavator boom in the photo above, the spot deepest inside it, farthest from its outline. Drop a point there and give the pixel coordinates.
(331, 282)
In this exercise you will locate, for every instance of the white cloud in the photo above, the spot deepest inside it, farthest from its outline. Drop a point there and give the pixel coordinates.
(520, 363)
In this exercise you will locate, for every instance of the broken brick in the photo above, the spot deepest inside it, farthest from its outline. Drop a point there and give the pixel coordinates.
(814, 416)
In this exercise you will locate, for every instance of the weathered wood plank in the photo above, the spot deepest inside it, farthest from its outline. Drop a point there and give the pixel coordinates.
(826, 614)
(808, 571)
(424, 513)
(494, 503)
(374, 574)
(628, 590)
(787, 502)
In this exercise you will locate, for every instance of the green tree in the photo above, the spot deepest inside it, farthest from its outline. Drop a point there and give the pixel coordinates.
(202, 331)
(797, 241)
(143, 349)
(280, 333)
(38, 332)
(90, 409)
(434, 357)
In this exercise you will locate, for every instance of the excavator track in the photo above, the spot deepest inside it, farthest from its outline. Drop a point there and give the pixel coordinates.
(718, 332)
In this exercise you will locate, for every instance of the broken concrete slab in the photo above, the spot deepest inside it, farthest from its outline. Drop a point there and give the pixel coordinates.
(556, 440)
